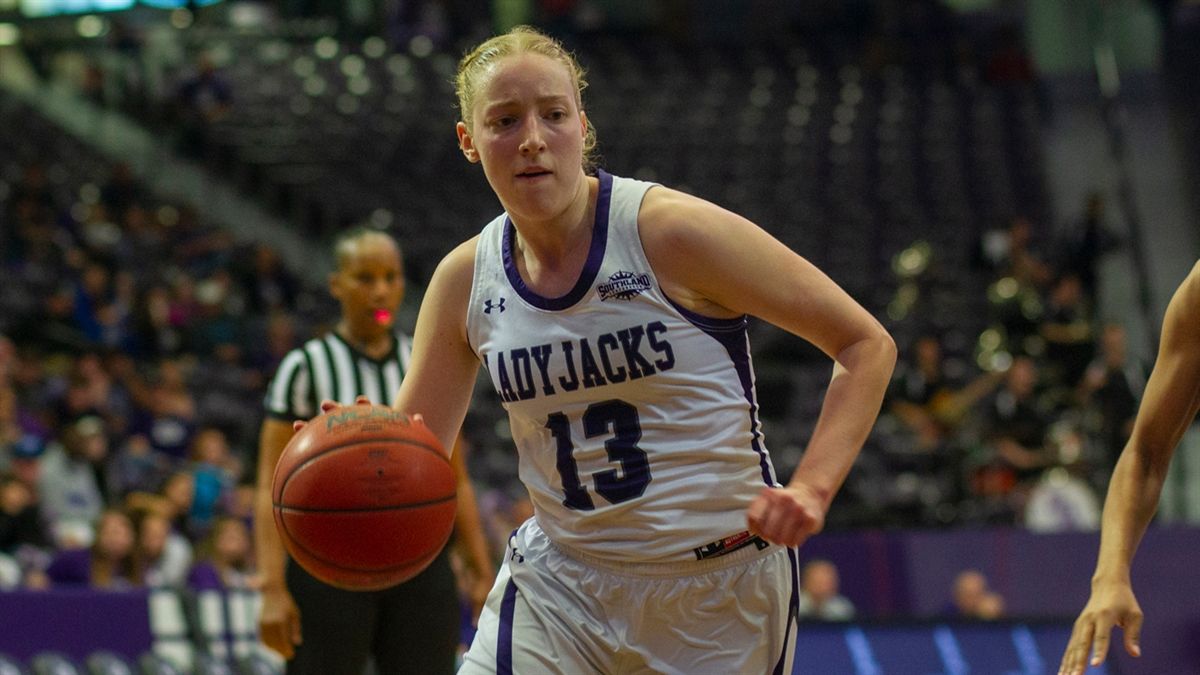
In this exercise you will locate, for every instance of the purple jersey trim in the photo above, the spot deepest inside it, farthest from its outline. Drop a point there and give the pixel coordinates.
(590, 268)
(793, 613)
(504, 646)
(731, 333)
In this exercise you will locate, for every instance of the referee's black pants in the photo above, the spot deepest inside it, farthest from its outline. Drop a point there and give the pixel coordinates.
(412, 628)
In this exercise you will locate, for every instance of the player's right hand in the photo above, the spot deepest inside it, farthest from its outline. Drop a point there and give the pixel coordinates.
(328, 405)
(279, 622)
(1112, 604)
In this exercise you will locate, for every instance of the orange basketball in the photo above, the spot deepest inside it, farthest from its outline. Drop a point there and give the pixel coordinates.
(364, 498)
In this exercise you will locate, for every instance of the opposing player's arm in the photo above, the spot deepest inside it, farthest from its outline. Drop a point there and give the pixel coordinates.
(717, 263)
(1171, 402)
(439, 382)
(1169, 405)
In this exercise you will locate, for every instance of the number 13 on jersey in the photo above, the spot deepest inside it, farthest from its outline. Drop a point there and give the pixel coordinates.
(619, 421)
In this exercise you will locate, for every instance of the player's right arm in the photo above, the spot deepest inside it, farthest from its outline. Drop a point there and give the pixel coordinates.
(279, 621)
(1171, 402)
(443, 368)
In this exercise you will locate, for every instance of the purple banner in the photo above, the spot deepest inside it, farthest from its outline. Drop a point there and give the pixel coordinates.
(74, 622)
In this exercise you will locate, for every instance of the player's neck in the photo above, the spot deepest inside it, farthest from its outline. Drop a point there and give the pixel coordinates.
(554, 240)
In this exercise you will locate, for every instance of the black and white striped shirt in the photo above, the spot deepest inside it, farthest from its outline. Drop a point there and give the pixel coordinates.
(330, 368)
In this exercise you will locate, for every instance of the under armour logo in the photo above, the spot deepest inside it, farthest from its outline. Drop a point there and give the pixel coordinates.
(488, 306)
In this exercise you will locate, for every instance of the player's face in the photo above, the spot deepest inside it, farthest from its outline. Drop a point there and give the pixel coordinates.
(528, 132)
(369, 284)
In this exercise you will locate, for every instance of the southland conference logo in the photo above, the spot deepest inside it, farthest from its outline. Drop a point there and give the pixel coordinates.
(624, 286)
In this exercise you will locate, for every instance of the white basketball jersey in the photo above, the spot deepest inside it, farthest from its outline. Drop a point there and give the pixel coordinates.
(635, 419)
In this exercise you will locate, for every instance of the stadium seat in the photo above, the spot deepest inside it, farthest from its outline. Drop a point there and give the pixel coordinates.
(11, 666)
(107, 663)
(53, 663)
(152, 664)
(206, 664)
(257, 663)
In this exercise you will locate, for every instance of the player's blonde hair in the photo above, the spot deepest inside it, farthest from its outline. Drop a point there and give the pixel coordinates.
(519, 40)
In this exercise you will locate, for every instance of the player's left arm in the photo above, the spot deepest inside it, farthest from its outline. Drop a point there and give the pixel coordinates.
(718, 263)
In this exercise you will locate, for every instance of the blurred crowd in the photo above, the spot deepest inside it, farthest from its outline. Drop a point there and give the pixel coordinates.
(135, 347)
(1024, 424)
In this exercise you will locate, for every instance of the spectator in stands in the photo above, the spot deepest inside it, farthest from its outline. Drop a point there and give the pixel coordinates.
(52, 326)
(20, 525)
(215, 472)
(11, 432)
(268, 284)
(1012, 451)
(819, 596)
(266, 354)
(1086, 243)
(92, 390)
(203, 99)
(224, 560)
(973, 599)
(930, 403)
(1111, 386)
(1069, 331)
(136, 467)
(163, 556)
(69, 482)
(121, 190)
(34, 186)
(173, 500)
(167, 410)
(107, 564)
(916, 382)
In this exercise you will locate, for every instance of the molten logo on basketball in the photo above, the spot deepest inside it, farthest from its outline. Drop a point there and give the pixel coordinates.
(363, 414)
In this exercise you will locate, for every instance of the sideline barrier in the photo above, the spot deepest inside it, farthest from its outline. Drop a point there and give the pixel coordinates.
(174, 626)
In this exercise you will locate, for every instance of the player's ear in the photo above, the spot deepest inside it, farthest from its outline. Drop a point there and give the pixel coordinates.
(583, 123)
(466, 143)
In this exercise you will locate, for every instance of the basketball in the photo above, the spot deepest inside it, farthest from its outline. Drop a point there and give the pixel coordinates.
(364, 497)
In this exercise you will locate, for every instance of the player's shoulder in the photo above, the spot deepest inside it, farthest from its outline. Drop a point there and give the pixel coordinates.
(458, 266)
(452, 279)
(664, 206)
(675, 222)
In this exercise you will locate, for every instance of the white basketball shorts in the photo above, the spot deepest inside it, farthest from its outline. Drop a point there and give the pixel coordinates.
(557, 612)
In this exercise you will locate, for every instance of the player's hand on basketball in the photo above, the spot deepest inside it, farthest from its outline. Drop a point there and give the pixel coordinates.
(1111, 605)
(279, 621)
(328, 405)
(786, 515)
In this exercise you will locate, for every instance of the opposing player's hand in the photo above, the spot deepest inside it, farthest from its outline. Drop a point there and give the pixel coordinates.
(1111, 605)
(279, 622)
(328, 405)
(786, 515)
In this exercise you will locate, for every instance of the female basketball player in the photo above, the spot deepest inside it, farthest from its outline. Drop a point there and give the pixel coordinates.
(1171, 402)
(610, 315)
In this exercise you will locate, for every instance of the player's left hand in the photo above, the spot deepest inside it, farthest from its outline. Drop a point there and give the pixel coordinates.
(786, 515)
